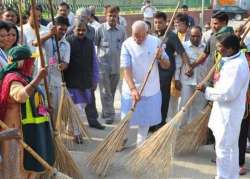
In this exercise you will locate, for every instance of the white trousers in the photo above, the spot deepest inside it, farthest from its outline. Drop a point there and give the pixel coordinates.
(81, 108)
(142, 134)
(197, 105)
(227, 156)
(173, 107)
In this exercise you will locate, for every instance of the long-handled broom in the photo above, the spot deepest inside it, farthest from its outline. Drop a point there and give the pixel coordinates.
(154, 157)
(67, 114)
(193, 134)
(63, 160)
(51, 170)
(20, 20)
(101, 158)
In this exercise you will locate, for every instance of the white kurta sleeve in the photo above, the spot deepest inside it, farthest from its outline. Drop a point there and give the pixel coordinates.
(229, 85)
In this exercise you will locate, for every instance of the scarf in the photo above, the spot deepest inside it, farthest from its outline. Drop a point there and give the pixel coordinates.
(9, 75)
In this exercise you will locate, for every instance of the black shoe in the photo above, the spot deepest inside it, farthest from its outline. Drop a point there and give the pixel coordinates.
(78, 139)
(97, 125)
(109, 121)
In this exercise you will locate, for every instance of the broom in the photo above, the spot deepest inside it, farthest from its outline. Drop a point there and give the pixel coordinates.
(67, 114)
(53, 171)
(101, 158)
(153, 158)
(63, 158)
(193, 134)
(21, 20)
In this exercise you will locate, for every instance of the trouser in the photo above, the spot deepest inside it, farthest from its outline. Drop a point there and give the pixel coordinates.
(227, 155)
(55, 94)
(91, 111)
(142, 134)
(81, 108)
(243, 140)
(165, 96)
(173, 107)
(108, 84)
(197, 105)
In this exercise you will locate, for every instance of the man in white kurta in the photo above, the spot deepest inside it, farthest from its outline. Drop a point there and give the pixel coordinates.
(229, 97)
(137, 55)
(193, 47)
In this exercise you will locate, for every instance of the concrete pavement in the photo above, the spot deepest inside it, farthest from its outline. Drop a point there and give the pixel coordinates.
(191, 166)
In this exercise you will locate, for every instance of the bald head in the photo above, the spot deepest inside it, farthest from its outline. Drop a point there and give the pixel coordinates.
(139, 26)
(139, 31)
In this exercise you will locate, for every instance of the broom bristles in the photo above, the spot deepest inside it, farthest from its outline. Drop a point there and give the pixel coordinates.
(68, 116)
(193, 134)
(102, 157)
(153, 158)
(64, 161)
(58, 175)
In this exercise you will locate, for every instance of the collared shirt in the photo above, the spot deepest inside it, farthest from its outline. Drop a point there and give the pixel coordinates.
(199, 73)
(30, 36)
(109, 41)
(94, 24)
(3, 59)
(139, 58)
(54, 75)
(148, 11)
(172, 46)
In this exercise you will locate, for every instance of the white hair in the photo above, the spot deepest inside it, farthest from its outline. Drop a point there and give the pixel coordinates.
(139, 25)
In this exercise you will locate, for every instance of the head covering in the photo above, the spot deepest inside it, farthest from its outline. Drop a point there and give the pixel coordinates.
(224, 31)
(12, 73)
(16, 54)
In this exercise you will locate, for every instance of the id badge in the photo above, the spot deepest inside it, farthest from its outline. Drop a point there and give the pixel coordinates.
(52, 61)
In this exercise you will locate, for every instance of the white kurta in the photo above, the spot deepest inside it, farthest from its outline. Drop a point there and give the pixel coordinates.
(229, 97)
(189, 83)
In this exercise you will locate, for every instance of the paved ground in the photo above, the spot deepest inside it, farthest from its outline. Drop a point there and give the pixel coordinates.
(192, 166)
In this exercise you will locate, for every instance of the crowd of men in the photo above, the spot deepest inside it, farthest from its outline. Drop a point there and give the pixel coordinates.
(99, 54)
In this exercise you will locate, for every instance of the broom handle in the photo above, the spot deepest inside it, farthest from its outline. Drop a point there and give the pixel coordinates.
(31, 151)
(21, 20)
(152, 64)
(41, 55)
(191, 99)
(57, 44)
(245, 23)
(244, 35)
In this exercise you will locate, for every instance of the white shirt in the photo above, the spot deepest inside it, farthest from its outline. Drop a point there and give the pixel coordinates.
(148, 12)
(94, 24)
(122, 22)
(54, 75)
(229, 96)
(71, 18)
(30, 36)
(199, 72)
(139, 58)
(3, 59)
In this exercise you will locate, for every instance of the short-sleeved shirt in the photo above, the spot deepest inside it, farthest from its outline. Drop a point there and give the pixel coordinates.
(3, 59)
(54, 76)
(30, 36)
(109, 41)
(139, 58)
(172, 45)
